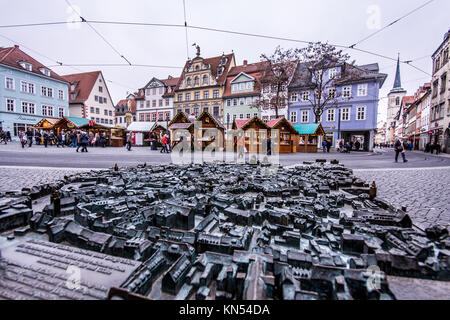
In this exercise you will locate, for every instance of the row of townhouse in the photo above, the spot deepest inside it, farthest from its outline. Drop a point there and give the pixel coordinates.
(231, 92)
(425, 116)
(31, 92)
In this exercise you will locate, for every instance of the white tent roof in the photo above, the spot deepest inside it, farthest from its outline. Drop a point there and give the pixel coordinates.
(145, 126)
(140, 126)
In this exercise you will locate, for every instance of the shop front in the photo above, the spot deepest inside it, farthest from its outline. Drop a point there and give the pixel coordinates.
(309, 135)
(14, 123)
(288, 136)
(181, 121)
(255, 132)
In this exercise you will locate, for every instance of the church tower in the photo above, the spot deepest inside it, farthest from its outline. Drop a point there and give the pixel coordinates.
(394, 102)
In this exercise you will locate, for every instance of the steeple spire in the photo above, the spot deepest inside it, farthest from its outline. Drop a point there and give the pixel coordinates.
(398, 81)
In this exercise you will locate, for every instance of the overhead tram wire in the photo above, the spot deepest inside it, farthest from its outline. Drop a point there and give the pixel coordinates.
(390, 24)
(116, 65)
(243, 34)
(98, 33)
(186, 30)
(58, 63)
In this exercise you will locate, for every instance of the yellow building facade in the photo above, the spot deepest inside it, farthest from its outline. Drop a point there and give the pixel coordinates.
(202, 85)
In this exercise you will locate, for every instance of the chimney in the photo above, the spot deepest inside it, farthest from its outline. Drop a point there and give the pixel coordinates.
(16, 46)
(245, 62)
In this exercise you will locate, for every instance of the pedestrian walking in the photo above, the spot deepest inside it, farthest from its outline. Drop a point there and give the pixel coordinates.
(129, 141)
(324, 146)
(3, 137)
(328, 146)
(437, 147)
(164, 145)
(84, 139)
(357, 145)
(38, 137)
(22, 138)
(29, 137)
(399, 148)
(8, 136)
(45, 136)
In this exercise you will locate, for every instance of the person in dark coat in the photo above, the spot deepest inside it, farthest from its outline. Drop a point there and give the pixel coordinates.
(84, 142)
(399, 148)
(46, 137)
(328, 146)
(129, 141)
(29, 137)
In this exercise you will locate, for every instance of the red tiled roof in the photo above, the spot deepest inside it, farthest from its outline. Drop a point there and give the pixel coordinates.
(255, 70)
(214, 63)
(241, 123)
(85, 83)
(124, 103)
(171, 81)
(13, 55)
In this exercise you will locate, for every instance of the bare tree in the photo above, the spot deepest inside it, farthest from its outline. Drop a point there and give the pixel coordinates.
(279, 70)
(315, 60)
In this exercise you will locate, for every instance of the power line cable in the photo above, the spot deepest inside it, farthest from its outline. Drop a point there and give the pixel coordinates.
(58, 63)
(98, 33)
(243, 34)
(115, 65)
(390, 24)
(186, 30)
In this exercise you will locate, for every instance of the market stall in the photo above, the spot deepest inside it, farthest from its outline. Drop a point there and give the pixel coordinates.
(46, 124)
(181, 121)
(250, 127)
(309, 136)
(140, 133)
(288, 136)
(208, 121)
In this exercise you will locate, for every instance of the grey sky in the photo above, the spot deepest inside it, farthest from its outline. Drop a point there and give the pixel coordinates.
(340, 22)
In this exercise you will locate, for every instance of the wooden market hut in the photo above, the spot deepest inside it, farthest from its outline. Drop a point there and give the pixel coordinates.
(46, 124)
(208, 121)
(254, 123)
(181, 121)
(159, 128)
(288, 136)
(75, 123)
(308, 136)
(140, 132)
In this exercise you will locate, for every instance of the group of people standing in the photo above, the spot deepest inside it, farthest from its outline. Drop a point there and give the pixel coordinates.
(75, 139)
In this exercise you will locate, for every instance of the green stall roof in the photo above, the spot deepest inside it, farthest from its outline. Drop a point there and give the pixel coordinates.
(79, 122)
(309, 128)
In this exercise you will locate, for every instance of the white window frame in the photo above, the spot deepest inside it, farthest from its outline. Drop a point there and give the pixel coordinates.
(331, 115)
(12, 81)
(347, 89)
(29, 104)
(61, 112)
(333, 89)
(304, 116)
(361, 113)
(348, 112)
(44, 110)
(332, 73)
(13, 105)
(306, 95)
(362, 90)
(61, 94)
(294, 116)
(294, 97)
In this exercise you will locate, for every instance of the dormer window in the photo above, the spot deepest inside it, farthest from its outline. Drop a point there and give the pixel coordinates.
(26, 66)
(45, 71)
(220, 71)
(223, 61)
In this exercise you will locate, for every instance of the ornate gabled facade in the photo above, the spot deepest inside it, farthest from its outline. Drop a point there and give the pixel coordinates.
(155, 100)
(202, 84)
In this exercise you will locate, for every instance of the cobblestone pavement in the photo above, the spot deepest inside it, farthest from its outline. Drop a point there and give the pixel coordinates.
(425, 192)
(17, 178)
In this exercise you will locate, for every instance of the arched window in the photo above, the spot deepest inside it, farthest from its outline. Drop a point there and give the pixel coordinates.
(197, 67)
(196, 80)
(205, 79)
(188, 81)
